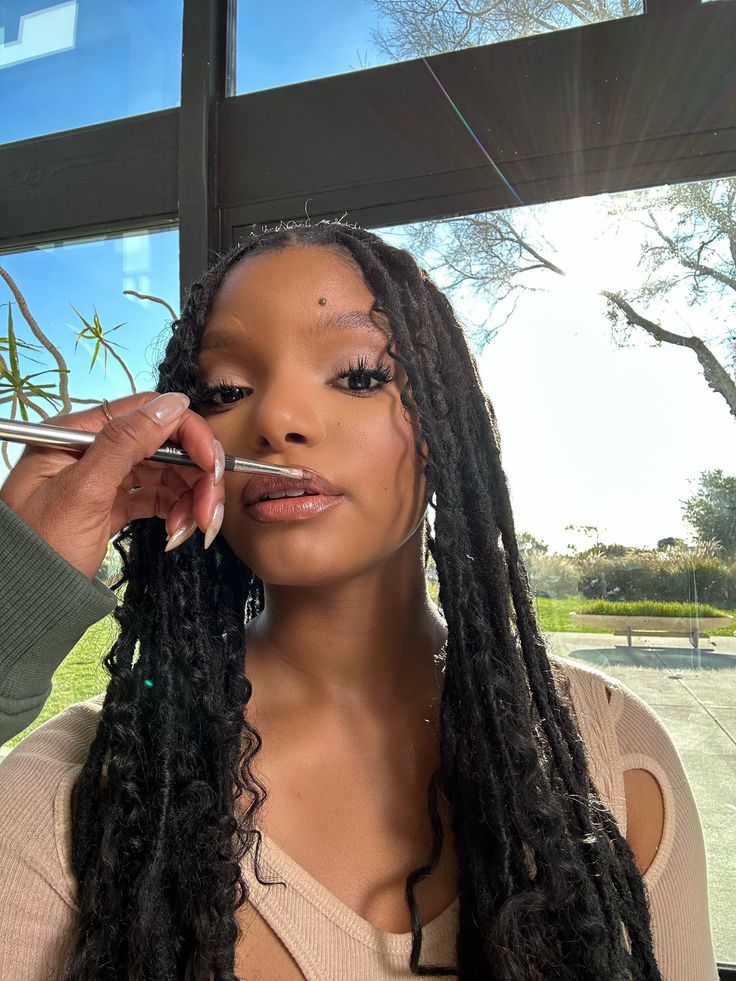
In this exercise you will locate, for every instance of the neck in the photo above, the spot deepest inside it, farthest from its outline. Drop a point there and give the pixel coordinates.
(370, 640)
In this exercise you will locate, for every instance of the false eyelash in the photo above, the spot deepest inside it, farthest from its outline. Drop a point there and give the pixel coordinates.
(205, 392)
(379, 371)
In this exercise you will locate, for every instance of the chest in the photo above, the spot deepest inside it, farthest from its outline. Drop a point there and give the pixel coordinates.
(357, 825)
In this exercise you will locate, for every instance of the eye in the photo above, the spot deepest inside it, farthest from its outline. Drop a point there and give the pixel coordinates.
(360, 376)
(217, 395)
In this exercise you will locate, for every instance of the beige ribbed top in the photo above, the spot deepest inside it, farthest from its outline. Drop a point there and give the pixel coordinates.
(329, 941)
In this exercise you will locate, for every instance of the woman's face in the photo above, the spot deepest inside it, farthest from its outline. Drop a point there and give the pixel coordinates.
(273, 339)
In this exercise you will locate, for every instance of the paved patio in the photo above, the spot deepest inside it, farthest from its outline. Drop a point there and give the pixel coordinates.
(694, 693)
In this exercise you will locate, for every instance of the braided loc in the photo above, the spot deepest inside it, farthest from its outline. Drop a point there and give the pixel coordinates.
(548, 885)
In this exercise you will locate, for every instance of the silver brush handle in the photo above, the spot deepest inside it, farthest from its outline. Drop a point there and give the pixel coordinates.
(40, 434)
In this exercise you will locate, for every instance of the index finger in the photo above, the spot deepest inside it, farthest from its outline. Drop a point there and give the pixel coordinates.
(94, 419)
(195, 436)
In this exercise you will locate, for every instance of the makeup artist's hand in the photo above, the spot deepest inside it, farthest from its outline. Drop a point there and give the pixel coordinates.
(78, 504)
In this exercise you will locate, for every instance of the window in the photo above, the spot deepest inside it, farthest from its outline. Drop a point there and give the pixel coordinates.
(278, 44)
(78, 293)
(77, 62)
(611, 441)
(92, 277)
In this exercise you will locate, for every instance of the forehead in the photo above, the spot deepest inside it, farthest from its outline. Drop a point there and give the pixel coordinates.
(312, 289)
(297, 276)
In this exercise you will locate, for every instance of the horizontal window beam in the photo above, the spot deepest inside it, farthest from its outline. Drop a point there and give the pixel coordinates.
(606, 107)
(613, 106)
(121, 174)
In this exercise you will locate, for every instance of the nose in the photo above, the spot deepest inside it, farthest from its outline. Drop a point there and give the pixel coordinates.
(285, 412)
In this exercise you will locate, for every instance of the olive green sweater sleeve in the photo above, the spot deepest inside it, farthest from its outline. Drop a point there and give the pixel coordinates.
(46, 605)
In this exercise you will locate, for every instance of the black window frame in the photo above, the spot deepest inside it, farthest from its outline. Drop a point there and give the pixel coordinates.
(601, 108)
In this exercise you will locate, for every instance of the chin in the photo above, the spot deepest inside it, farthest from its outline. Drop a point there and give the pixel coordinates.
(310, 569)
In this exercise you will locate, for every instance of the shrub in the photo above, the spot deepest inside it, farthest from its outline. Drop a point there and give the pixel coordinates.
(553, 575)
(673, 575)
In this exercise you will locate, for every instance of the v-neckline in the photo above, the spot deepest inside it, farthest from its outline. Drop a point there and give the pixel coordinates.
(342, 915)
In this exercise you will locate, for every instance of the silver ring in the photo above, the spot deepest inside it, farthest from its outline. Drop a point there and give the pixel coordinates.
(106, 409)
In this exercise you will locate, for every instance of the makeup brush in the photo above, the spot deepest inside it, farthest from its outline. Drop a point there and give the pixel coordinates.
(39, 434)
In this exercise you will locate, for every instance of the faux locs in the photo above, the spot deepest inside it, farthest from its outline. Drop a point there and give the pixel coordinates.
(165, 807)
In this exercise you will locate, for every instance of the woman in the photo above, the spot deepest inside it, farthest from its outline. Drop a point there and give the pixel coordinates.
(302, 768)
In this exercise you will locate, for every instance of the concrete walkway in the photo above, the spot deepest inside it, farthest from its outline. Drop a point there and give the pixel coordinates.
(694, 694)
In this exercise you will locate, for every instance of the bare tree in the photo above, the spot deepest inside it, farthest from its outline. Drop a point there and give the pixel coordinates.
(688, 231)
(412, 28)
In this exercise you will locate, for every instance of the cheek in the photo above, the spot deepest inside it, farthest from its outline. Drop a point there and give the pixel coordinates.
(394, 472)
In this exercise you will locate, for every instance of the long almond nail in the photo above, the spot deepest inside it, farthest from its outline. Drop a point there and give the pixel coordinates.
(166, 407)
(181, 535)
(214, 525)
(219, 461)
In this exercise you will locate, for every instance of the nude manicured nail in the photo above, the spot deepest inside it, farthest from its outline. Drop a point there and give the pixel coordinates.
(181, 535)
(166, 407)
(219, 461)
(214, 525)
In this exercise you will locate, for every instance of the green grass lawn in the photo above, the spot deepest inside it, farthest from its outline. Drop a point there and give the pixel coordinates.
(554, 617)
(79, 676)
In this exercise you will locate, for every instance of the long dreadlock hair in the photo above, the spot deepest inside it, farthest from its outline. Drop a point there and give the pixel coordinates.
(548, 885)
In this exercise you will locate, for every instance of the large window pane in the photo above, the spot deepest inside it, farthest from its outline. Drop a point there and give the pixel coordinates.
(77, 294)
(79, 62)
(619, 452)
(65, 285)
(281, 43)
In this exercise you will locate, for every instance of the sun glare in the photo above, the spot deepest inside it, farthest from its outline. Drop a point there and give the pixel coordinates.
(596, 250)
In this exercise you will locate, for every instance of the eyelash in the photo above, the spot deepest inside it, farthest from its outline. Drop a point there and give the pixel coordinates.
(379, 372)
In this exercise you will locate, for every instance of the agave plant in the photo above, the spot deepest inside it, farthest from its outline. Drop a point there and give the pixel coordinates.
(16, 387)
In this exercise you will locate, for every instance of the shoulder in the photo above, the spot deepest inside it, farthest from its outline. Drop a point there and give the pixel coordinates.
(591, 694)
(36, 781)
(633, 760)
(583, 676)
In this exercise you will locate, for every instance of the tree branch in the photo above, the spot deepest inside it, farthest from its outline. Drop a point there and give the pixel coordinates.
(155, 299)
(125, 368)
(715, 374)
(38, 333)
(684, 260)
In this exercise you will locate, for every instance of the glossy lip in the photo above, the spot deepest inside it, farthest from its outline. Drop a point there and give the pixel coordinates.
(292, 508)
(257, 486)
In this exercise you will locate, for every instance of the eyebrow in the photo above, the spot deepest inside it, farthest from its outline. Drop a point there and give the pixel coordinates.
(217, 338)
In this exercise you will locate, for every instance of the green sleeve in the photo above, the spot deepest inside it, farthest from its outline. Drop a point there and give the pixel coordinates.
(46, 605)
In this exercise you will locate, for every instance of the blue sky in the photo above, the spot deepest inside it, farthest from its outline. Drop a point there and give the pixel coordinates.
(96, 60)
(591, 434)
(315, 39)
(78, 62)
(93, 274)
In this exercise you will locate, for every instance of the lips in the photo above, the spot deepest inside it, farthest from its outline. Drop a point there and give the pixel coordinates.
(259, 486)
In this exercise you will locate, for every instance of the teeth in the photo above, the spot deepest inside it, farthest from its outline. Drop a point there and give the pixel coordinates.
(277, 495)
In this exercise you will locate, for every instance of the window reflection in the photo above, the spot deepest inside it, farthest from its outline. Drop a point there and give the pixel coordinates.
(617, 432)
(75, 63)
